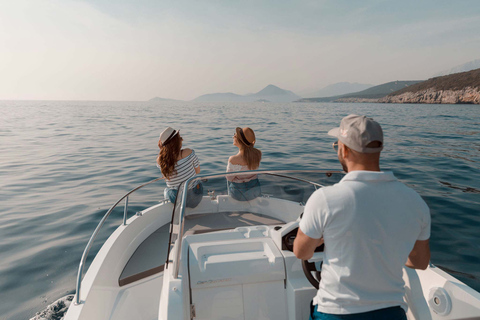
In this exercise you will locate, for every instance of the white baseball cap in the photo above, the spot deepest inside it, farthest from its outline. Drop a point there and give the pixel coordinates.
(356, 132)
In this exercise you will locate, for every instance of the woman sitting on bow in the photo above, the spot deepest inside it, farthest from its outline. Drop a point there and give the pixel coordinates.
(244, 187)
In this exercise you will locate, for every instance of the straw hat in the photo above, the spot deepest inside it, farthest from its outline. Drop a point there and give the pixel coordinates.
(246, 135)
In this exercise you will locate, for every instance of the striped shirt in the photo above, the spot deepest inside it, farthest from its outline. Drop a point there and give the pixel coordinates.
(185, 170)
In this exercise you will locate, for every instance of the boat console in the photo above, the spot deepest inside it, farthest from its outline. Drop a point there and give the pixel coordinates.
(245, 274)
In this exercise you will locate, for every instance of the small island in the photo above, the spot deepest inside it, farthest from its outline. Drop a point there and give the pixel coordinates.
(158, 99)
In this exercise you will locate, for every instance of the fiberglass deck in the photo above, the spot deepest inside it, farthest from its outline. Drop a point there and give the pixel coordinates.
(150, 256)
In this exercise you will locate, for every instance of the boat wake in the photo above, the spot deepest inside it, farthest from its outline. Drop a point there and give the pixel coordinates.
(55, 311)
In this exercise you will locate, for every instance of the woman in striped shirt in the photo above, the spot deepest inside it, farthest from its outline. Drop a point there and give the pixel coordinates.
(178, 165)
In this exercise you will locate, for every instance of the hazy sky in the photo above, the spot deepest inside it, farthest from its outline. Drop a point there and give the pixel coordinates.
(139, 49)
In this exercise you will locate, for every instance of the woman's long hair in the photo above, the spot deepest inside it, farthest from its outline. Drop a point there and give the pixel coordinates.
(251, 155)
(167, 158)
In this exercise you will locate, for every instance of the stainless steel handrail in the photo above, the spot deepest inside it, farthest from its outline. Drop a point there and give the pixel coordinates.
(95, 233)
(280, 173)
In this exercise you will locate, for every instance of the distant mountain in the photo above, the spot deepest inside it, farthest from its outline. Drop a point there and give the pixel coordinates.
(471, 65)
(222, 97)
(274, 94)
(337, 89)
(270, 93)
(375, 92)
(157, 99)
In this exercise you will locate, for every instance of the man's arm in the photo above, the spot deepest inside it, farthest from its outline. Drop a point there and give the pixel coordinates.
(420, 255)
(304, 246)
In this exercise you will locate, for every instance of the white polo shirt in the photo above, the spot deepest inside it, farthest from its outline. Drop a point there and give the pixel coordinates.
(370, 222)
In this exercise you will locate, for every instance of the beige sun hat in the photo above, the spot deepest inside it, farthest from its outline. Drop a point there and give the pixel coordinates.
(167, 135)
(246, 135)
(356, 132)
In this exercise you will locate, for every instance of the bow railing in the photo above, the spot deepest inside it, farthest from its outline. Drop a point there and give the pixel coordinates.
(95, 233)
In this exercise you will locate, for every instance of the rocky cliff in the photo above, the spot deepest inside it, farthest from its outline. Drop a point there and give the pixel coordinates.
(463, 87)
(432, 95)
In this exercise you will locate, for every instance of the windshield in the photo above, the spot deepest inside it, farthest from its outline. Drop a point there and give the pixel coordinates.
(228, 201)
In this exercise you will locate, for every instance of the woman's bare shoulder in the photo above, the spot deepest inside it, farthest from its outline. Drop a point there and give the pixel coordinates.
(237, 159)
(185, 153)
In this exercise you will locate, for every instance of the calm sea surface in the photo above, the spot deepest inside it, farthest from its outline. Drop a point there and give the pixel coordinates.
(63, 164)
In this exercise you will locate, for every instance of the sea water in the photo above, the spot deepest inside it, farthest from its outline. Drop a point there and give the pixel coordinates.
(63, 164)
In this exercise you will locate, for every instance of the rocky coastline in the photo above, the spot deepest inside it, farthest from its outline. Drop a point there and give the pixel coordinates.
(466, 95)
(357, 100)
(457, 88)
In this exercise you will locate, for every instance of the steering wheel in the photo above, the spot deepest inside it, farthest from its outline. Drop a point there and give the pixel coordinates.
(308, 268)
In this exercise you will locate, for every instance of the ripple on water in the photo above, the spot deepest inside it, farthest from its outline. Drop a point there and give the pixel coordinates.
(65, 163)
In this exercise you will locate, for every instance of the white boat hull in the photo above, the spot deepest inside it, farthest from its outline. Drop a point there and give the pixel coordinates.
(241, 273)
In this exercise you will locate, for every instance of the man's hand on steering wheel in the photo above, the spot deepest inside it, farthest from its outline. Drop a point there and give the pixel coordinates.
(304, 247)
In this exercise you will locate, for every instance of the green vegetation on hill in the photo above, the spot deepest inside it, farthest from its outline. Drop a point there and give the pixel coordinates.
(375, 92)
(456, 81)
(381, 90)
